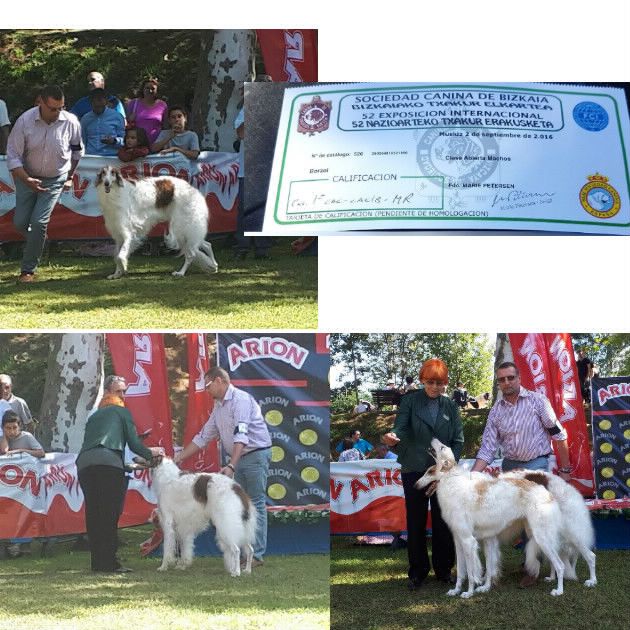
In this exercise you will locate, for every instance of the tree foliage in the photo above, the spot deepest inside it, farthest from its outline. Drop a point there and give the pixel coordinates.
(379, 358)
(30, 59)
(609, 351)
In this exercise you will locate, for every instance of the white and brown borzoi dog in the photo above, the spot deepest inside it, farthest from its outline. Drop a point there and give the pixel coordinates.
(189, 502)
(132, 208)
(477, 507)
(577, 536)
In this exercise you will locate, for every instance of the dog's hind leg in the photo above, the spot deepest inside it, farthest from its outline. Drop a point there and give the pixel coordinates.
(247, 552)
(208, 262)
(545, 541)
(589, 557)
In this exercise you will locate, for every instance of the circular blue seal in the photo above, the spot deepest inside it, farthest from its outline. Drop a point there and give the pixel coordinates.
(590, 116)
(600, 199)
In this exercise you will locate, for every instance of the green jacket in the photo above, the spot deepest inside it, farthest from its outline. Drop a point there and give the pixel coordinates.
(113, 428)
(413, 426)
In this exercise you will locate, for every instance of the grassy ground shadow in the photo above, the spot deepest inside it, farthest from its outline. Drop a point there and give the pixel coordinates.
(369, 590)
(60, 592)
(73, 292)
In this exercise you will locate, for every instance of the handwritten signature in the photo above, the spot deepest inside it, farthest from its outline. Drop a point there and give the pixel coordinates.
(520, 195)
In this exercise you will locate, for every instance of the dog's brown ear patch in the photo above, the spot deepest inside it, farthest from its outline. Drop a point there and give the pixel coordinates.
(118, 176)
(99, 179)
(200, 489)
(242, 495)
(164, 192)
(447, 465)
(538, 478)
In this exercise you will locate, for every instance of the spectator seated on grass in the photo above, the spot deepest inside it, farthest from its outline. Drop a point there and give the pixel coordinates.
(19, 441)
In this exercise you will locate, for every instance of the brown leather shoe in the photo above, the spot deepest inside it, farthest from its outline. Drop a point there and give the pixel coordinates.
(26, 278)
(528, 580)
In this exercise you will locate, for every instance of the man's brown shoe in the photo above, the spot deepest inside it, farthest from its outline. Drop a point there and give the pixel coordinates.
(528, 580)
(26, 278)
(257, 563)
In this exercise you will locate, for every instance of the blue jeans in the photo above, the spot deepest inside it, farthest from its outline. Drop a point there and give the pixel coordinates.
(251, 473)
(539, 463)
(34, 209)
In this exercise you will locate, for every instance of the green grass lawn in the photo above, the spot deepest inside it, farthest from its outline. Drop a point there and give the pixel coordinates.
(59, 592)
(73, 292)
(369, 590)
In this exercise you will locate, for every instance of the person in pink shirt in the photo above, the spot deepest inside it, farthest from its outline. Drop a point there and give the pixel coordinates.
(148, 112)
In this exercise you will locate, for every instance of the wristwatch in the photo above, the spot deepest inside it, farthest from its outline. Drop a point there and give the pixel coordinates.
(565, 470)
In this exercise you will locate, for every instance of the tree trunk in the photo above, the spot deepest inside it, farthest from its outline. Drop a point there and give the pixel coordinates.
(226, 60)
(73, 381)
(502, 353)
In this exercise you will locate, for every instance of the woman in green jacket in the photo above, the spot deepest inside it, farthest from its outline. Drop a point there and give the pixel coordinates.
(101, 472)
(423, 415)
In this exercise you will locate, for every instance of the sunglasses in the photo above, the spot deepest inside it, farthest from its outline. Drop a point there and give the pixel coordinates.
(504, 379)
(52, 109)
(435, 383)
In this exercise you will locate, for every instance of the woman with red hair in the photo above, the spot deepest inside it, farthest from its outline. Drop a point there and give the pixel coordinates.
(423, 415)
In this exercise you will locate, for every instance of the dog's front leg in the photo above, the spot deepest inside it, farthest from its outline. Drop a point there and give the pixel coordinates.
(186, 551)
(461, 568)
(491, 551)
(232, 559)
(473, 565)
(121, 258)
(168, 555)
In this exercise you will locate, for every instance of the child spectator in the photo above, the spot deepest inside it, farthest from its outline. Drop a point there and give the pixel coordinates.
(19, 441)
(136, 145)
(350, 453)
(177, 138)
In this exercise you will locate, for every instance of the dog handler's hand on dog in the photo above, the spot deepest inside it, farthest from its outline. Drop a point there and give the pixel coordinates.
(227, 471)
(391, 439)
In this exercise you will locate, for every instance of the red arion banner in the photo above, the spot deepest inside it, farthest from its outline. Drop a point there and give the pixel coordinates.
(289, 55)
(199, 405)
(547, 365)
(139, 357)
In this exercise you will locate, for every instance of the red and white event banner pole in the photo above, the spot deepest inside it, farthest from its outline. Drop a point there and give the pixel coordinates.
(78, 215)
(140, 358)
(547, 365)
(199, 405)
(290, 55)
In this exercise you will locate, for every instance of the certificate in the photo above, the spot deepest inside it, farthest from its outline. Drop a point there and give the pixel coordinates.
(513, 156)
